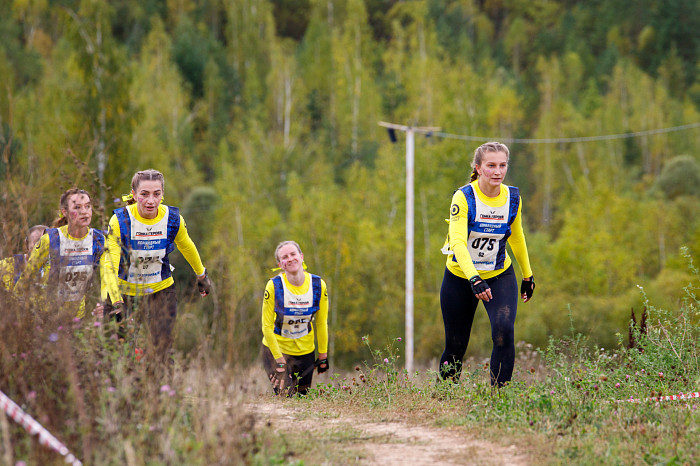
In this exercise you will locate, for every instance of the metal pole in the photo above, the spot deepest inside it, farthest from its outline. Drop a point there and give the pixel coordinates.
(410, 132)
(409, 247)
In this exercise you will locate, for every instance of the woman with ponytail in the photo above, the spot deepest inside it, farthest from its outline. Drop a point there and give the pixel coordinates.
(141, 236)
(69, 253)
(485, 214)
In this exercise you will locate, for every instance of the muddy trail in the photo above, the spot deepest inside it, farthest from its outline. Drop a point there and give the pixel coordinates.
(350, 439)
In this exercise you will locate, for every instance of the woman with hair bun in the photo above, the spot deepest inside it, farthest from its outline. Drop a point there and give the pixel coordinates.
(141, 236)
(69, 253)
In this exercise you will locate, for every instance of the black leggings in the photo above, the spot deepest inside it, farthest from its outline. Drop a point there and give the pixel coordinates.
(300, 371)
(458, 305)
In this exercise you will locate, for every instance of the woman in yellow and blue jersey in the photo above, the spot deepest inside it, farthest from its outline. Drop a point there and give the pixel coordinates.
(68, 254)
(12, 267)
(295, 308)
(141, 236)
(484, 215)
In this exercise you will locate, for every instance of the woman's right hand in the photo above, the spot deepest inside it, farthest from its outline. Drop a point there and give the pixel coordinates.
(480, 289)
(280, 373)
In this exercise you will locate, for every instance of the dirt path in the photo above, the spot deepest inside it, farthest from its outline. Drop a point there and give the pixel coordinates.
(388, 443)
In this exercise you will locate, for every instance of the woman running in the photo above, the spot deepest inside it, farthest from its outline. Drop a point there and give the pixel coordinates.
(141, 236)
(295, 306)
(12, 267)
(68, 254)
(484, 215)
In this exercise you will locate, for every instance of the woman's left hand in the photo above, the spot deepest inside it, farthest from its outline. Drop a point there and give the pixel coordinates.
(527, 287)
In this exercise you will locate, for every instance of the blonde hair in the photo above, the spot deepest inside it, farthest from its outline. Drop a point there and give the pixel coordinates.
(63, 204)
(32, 230)
(147, 175)
(481, 150)
(283, 244)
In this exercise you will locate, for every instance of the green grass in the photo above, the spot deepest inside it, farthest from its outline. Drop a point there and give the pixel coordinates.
(567, 403)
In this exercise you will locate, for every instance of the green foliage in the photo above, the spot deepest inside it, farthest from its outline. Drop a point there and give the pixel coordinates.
(575, 402)
(275, 106)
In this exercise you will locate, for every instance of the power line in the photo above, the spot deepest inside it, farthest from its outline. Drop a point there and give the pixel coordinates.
(558, 140)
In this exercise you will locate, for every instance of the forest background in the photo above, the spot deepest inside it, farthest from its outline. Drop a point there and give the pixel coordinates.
(263, 117)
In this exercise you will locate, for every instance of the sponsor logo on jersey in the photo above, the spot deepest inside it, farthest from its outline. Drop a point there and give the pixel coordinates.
(77, 250)
(141, 234)
(491, 216)
(299, 302)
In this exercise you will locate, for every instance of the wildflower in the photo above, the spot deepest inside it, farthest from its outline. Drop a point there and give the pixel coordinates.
(357, 368)
(364, 338)
(76, 319)
(627, 377)
(595, 387)
(661, 375)
(111, 389)
(532, 371)
(53, 337)
(165, 388)
(188, 390)
(398, 339)
(603, 378)
(532, 423)
(31, 395)
(386, 360)
(171, 393)
(552, 392)
(60, 327)
(444, 363)
(617, 385)
(97, 323)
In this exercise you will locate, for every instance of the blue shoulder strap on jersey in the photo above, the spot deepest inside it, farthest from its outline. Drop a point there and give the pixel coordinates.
(20, 262)
(125, 236)
(54, 252)
(469, 195)
(279, 303)
(98, 246)
(173, 227)
(316, 284)
(514, 203)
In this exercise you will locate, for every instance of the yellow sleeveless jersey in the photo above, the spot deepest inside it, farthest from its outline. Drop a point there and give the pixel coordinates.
(294, 346)
(182, 240)
(459, 260)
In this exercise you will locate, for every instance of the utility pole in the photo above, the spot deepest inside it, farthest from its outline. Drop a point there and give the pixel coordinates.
(410, 196)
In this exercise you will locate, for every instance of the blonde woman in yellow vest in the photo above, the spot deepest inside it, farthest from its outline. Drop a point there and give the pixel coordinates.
(294, 310)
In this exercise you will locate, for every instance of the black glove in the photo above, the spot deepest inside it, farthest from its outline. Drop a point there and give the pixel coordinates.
(279, 377)
(527, 287)
(204, 284)
(322, 362)
(478, 285)
(116, 310)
